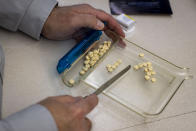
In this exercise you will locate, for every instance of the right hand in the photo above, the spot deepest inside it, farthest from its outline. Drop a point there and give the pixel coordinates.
(70, 112)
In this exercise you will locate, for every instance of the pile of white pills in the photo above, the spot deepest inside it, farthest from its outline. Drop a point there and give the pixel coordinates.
(93, 57)
(148, 69)
(112, 67)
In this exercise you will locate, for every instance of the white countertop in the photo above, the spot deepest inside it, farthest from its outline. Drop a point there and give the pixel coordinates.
(30, 70)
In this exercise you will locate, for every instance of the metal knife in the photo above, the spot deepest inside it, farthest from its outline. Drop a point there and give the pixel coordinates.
(112, 80)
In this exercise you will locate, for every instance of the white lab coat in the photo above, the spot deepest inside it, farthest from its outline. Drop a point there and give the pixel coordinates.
(29, 17)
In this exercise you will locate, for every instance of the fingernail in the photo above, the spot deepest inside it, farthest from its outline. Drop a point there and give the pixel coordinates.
(100, 25)
(85, 97)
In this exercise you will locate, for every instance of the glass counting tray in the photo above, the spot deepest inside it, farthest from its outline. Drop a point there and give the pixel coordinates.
(132, 90)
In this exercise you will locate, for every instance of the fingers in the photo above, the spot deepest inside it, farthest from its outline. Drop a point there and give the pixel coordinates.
(88, 124)
(68, 99)
(122, 43)
(87, 20)
(111, 22)
(86, 105)
(102, 16)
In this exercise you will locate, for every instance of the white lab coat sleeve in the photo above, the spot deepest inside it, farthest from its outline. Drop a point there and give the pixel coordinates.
(34, 118)
(27, 16)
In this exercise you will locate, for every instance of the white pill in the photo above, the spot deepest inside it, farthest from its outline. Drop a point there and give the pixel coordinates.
(90, 53)
(110, 69)
(149, 64)
(109, 42)
(93, 59)
(119, 61)
(150, 68)
(146, 69)
(71, 81)
(140, 65)
(101, 50)
(147, 77)
(86, 62)
(98, 50)
(141, 55)
(85, 68)
(96, 58)
(87, 57)
(153, 72)
(148, 73)
(144, 64)
(82, 72)
(101, 53)
(95, 52)
(104, 51)
(91, 56)
(96, 55)
(153, 80)
(136, 67)
(100, 46)
(92, 63)
(106, 48)
(113, 67)
(108, 66)
(116, 64)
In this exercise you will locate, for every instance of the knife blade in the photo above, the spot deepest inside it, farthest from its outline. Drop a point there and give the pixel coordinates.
(112, 80)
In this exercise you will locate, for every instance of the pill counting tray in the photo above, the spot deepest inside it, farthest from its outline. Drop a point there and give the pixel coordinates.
(132, 90)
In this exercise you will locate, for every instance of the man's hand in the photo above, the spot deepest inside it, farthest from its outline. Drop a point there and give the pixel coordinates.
(70, 112)
(65, 22)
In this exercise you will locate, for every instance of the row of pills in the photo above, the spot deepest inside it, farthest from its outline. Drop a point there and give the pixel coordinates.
(148, 69)
(111, 68)
(92, 58)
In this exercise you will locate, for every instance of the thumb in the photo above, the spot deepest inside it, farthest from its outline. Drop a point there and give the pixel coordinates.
(87, 104)
(90, 21)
